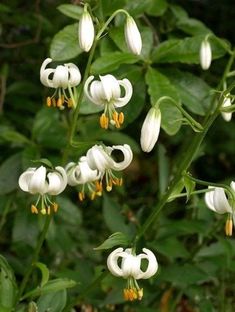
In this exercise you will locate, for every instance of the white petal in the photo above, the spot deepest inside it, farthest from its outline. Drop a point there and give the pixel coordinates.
(209, 199)
(150, 130)
(221, 203)
(127, 154)
(205, 54)
(227, 103)
(74, 74)
(97, 93)
(152, 264)
(232, 184)
(130, 264)
(98, 159)
(111, 87)
(132, 36)
(112, 262)
(37, 183)
(61, 77)
(57, 181)
(45, 73)
(88, 91)
(25, 178)
(120, 102)
(86, 32)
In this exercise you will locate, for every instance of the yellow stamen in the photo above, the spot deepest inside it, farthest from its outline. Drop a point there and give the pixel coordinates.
(109, 185)
(70, 103)
(34, 209)
(93, 194)
(81, 196)
(104, 121)
(229, 227)
(59, 102)
(48, 101)
(120, 182)
(140, 293)
(53, 102)
(98, 186)
(43, 211)
(55, 207)
(121, 118)
(48, 210)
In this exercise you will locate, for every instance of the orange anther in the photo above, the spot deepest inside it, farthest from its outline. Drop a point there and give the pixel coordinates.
(81, 196)
(48, 210)
(70, 103)
(55, 207)
(229, 227)
(48, 101)
(34, 209)
(121, 118)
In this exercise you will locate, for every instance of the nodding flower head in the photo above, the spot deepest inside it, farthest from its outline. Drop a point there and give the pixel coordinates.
(107, 92)
(132, 36)
(81, 175)
(86, 31)
(226, 103)
(217, 201)
(63, 79)
(100, 158)
(40, 181)
(205, 54)
(130, 269)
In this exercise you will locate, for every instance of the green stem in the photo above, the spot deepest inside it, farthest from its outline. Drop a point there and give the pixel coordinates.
(35, 256)
(192, 193)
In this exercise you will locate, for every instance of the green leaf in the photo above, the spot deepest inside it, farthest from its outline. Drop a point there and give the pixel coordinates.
(113, 218)
(71, 10)
(111, 61)
(194, 92)
(14, 137)
(45, 272)
(10, 171)
(177, 190)
(159, 86)
(52, 286)
(53, 302)
(43, 161)
(192, 26)
(116, 239)
(8, 287)
(172, 248)
(64, 45)
(108, 7)
(69, 212)
(156, 7)
(185, 50)
(32, 307)
(189, 186)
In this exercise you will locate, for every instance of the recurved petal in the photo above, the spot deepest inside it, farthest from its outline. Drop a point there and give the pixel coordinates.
(150, 129)
(74, 74)
(130, 264)
(90, 90)
(152, 264)
(112, 262)
(97, 158)
(127, 157)
(37, 183)
(227, 116)
(25, 178)
(120, 102)
(221, 203)
(61, 77)
(45, 73)
(57, 181)
(209, 198)
(111, 87)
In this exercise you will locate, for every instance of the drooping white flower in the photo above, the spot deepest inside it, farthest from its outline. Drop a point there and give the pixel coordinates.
(130, 269)
(81, 174)
(132, 36)
(205, 54)
(227, 115)
(60, 78)
(150, 129)
(217, 201)
(86, 31)
(108, 93)
(39, 181)
(100, 157)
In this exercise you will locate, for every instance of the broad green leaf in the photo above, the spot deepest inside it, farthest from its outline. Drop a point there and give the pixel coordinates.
(159, 86)
(64, 45)
(8, 287)
(156, 7)
(10, 171)
(69, 212)
(189, 186)
(113, 218)
(192, 26)
(178, 11)
(117, 138)
(186, 50)
(172, 248)
(108, 7)
(71, 10)
(111, 61)
(116, 239)
(53, 302)
(87, 107)
(44, 271)
(52, 286)
(14, 137)
(43, 161)
(194, 92)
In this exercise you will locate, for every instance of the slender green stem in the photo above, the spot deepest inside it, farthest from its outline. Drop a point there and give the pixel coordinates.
(35, 255)
(192, 193)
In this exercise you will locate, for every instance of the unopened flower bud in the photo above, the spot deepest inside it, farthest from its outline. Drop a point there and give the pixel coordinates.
(132, 35)
(86, 32)
(205, 54)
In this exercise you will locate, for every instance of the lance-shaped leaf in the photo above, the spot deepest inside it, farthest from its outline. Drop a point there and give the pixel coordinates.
(116, 239)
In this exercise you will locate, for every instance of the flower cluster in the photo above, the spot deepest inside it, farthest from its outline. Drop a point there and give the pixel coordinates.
(130, 269)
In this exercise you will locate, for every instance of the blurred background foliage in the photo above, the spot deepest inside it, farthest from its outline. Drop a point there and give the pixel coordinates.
(196, 260)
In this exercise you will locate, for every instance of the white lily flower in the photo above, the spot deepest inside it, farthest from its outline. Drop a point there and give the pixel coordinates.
(217, 201)
(205, 54)
(60, 78)
(150, 129)
(130, 269)
(226, 115)
(86, 31)
(38, 181)
(107, 93)
(132, 36)
(81, 174)
(100, 157)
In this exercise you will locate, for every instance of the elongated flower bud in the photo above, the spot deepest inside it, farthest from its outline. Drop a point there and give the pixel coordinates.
(132, 35)
(227, 115)
(150, 129)
(86, 32)
(205, 54)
